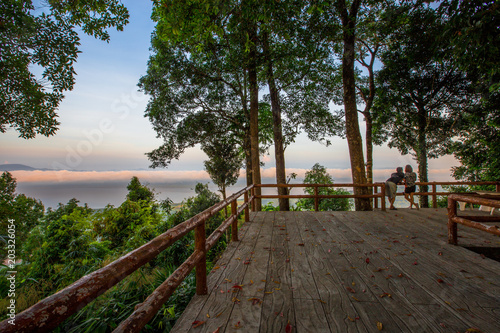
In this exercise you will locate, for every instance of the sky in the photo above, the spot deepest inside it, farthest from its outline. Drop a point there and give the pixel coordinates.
(103, 136)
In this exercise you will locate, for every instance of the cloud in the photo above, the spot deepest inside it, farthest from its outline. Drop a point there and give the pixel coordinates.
(172, 176)
(146, 176)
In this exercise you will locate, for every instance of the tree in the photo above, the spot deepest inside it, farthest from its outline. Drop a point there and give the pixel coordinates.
(50, 41)
(472, 31)
(224, 163)
(210, 81)
(138, 192)
(319, 175)
(25, 212)
(420, 95)
(342, 33)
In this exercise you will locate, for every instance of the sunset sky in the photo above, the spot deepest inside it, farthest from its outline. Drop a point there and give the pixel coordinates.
(103, 136)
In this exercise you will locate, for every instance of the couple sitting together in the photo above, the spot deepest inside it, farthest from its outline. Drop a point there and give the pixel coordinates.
(408, 179)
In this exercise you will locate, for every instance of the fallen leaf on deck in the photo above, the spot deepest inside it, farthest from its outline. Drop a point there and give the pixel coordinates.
(288, 328)
(238, 286)
(208, 316)
(351, 290)
(301, 244)
(385, 295)
(367, 260)
(218, 315)
(354, 298)
(255, 300)
(440, 281)
(217, 330)
(379, 326)
(237, 325)
(474, 330)
(197, 323)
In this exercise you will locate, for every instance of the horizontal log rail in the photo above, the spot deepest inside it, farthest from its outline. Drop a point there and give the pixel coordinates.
(50, 312)
(375, 196)
(471, 221)
(316, 196)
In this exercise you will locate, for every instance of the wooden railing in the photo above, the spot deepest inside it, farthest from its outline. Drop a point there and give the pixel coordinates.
(433, 193)
(376, 195)
(471, 221)
(53, 310)
(316, 196)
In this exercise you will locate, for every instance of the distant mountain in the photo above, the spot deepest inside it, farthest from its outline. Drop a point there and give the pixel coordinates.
(18, 167)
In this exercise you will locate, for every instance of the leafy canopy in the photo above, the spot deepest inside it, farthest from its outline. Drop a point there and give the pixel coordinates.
(44, 39)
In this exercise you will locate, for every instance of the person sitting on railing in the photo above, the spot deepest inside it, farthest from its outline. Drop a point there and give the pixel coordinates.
(391, 186)
(410, 179)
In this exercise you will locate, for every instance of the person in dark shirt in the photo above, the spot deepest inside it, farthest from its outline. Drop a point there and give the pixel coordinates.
(410, 179)
(391, 186)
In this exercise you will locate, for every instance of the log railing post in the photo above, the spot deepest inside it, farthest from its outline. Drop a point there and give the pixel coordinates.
(316, 199)
(247, 211)
(234, 225)
(201, 266)
(382, 197)
(252, 191)
(375, 199)
(452, 226)
(434, 197)
(498, 187)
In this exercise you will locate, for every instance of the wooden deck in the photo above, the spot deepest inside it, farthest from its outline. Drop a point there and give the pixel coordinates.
(350, 272)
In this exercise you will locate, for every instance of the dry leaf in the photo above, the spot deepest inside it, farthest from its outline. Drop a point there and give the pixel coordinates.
(351, 290)
(288, 328)
(197, 323)
(379, 326)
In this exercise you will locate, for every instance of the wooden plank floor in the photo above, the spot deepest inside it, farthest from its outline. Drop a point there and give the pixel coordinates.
(350, 272)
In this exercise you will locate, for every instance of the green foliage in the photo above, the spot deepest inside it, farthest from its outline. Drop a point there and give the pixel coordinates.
(224, 163)
(73, 240)
(319, 175)
(26, 213)
(138, 192)
(49, 41)
(269, 207)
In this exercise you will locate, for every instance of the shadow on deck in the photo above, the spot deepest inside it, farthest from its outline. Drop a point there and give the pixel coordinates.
(350, 272)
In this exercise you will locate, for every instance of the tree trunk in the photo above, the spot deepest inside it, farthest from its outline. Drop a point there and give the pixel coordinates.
(422, 156)
(248, 159)
(223, 190)
(279, 152)
(353, 134)
(254, 114)
(369, 151)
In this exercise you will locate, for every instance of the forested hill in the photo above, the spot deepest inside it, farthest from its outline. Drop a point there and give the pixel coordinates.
(18, 167)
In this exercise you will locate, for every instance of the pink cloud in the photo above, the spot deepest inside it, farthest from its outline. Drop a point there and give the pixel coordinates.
(166, 176)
